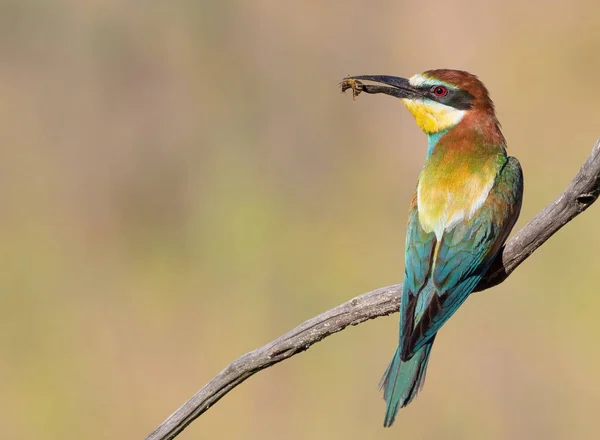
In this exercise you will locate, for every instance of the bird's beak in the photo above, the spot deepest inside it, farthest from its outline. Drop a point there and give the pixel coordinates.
(394, 86)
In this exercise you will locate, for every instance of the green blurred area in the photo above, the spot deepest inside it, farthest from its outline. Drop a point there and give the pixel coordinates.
(182, 182)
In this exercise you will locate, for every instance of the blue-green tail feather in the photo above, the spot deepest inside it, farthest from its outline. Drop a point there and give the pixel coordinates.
(403, 380)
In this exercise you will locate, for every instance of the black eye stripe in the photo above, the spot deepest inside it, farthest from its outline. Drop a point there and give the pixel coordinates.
(459, 99)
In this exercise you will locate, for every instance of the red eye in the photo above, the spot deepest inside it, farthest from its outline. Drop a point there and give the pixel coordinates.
(440, 91)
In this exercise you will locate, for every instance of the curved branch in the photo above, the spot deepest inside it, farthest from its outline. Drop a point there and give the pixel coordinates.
(583, 190)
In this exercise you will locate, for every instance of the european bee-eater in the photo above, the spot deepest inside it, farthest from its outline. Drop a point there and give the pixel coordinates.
(467, 200)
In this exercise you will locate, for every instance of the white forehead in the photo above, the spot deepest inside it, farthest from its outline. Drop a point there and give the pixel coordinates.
(420, 80)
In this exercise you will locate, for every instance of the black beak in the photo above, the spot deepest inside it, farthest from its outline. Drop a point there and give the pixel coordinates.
(398, 87)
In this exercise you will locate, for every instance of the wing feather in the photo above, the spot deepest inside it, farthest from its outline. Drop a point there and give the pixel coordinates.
(441, 275)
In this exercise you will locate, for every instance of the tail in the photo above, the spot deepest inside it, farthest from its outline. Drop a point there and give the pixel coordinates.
(403, 380)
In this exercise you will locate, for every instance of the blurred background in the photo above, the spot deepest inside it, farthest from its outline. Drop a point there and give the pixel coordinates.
(182, 182)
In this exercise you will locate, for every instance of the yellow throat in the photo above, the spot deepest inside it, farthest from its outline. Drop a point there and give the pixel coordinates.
(433, 117)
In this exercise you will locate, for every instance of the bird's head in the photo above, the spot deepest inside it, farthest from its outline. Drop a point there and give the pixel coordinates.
(438, 99)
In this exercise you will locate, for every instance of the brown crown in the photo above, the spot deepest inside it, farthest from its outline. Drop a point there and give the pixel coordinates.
(465, 81)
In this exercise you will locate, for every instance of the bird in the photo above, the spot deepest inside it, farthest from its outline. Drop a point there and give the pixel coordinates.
(467, 199)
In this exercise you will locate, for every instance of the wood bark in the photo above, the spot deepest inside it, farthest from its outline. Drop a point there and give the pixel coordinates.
(579, 195)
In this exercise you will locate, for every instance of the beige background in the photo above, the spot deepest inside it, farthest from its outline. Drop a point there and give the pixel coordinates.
(182, 182)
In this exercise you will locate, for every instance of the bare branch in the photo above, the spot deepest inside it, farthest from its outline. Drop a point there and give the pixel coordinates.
(579, 195)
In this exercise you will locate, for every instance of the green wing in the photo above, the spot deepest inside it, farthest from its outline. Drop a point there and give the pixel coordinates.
(439, 276)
